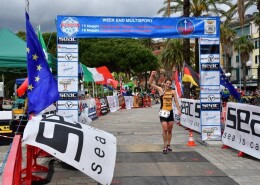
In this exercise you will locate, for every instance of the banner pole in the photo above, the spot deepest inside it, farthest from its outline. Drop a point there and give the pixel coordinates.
(93, 91)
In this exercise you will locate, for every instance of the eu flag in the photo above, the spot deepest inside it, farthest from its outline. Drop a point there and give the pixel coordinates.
(42, 87)
(227, 84)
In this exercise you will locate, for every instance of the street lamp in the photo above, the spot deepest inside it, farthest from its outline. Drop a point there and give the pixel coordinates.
(228, 76)
(239, 67)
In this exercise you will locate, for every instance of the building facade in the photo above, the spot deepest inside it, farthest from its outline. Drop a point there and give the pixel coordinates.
(234, 66)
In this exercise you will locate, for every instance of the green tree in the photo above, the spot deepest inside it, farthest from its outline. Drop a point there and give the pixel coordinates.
(148, 42)
(240, 7)
(171, 55)
(22, 35)
(244, 48)
(119, 55)
(257, 20)
(227, 37)
(50, 40)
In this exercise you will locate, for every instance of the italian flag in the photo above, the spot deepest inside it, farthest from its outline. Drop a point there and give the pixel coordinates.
(100, 75)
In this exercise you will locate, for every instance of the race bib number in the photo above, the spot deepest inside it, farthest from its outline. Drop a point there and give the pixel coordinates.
(164, 113)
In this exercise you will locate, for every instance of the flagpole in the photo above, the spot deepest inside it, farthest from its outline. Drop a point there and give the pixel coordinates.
(93, 91)
(27, 6)
(185, 86)
(182, 71)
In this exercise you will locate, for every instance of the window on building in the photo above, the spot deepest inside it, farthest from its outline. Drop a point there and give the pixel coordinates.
(256, 59)
(237, 59)
(256, 44)
(246, 31)
(237, 74)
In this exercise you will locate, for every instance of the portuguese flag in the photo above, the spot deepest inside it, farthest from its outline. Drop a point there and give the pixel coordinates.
(189, 75)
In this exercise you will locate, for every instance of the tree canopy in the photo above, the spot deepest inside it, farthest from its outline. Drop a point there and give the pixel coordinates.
(131, 56)
(119, 55)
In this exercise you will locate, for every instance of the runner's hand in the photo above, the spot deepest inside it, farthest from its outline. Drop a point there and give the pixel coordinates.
(153, 73)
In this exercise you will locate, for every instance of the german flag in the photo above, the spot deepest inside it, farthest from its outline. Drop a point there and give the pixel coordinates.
(189, 75)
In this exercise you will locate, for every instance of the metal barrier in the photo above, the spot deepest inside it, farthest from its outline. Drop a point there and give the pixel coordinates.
(12, 172)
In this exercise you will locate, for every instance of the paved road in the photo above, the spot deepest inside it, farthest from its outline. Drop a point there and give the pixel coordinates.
(140, 160)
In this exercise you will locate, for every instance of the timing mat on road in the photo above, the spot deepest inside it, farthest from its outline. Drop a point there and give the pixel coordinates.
(148, 168)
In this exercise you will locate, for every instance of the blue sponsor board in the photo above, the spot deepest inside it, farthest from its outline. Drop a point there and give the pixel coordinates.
(137, 27)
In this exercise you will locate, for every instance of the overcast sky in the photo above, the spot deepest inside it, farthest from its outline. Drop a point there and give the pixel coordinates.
(44, 12)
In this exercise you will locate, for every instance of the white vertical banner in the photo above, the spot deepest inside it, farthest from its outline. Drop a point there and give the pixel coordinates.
(111, 103)
(209, 80)
(67, 53)
(1, 89)
(92, 113)
(128, 102)
(116, 102)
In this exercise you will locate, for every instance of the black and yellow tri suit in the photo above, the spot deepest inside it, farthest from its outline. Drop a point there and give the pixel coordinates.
(166, 104)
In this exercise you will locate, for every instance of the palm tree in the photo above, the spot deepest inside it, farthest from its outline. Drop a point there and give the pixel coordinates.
(257, 22)
(240, 7)
(186, 48)
(186, 41)
(172, 55)
(200, 8)
(168, 8)
(148, 43)
(244, 47)
(227, 37)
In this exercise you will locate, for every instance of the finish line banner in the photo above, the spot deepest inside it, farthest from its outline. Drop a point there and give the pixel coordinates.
(137, 27)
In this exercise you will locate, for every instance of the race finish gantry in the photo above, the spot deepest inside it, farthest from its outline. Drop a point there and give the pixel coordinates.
(207, 29)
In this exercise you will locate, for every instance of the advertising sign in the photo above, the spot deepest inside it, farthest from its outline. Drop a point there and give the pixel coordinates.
(210, 89)
(67, 48)
(209, 78)
(190, 116)
(69, 114)
(68, 57)
(242, 130)
(88, 149)
(68, 105)
(68, 69)
(214, 98)
(137, 27)
(67, 84)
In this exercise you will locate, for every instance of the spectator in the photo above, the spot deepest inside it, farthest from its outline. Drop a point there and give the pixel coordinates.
(129, 92)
